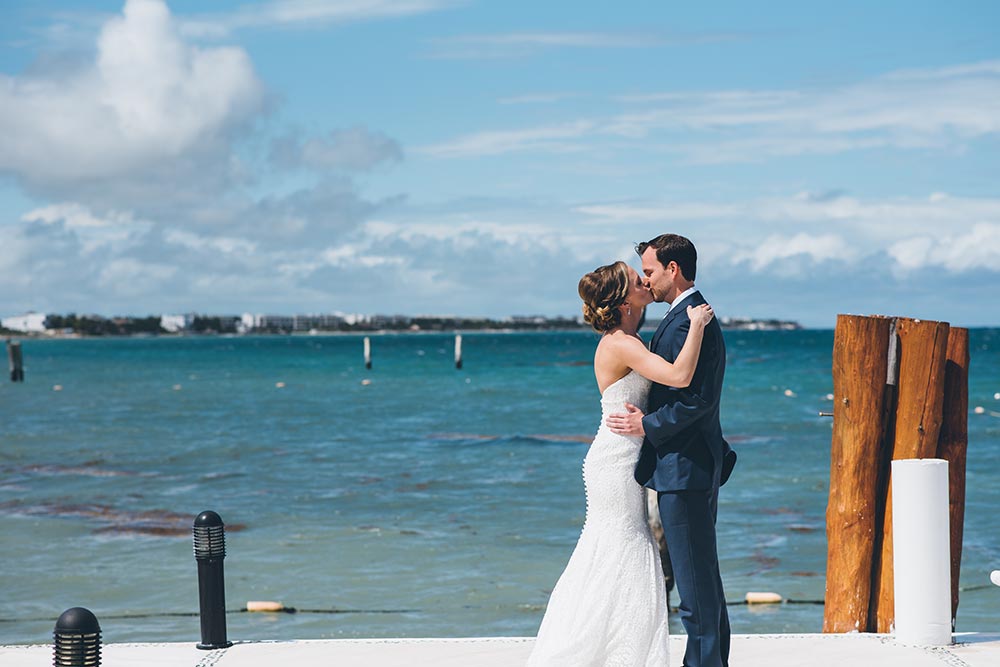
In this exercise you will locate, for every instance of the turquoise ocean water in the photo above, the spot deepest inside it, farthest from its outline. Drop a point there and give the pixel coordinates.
(426, 502)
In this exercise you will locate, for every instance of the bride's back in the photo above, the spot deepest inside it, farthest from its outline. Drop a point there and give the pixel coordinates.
(609, 366)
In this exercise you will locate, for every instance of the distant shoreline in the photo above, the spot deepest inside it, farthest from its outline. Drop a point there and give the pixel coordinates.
(98, 326)
(17, 335)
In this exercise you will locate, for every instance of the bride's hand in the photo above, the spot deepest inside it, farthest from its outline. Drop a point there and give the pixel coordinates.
(701, 315)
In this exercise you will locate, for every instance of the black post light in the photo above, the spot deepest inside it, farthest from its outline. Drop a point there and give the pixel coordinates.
(77, 639)
(210, 551)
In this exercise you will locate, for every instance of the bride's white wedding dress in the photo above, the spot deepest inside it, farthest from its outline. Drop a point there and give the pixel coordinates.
(609, 607)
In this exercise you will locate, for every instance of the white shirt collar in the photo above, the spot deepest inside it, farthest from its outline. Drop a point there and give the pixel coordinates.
(683, 295)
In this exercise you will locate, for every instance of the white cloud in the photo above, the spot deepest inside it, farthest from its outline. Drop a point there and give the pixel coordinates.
(957, 233)
(912, 253)
(977, 248)
(307, 14)
(358, 254)
(934, 108)
(221, 244)
(548, 139)
(819, 248)
(147, 98)
(114, 229)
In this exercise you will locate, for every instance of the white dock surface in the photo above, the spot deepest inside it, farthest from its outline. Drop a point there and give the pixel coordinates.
(814, 650)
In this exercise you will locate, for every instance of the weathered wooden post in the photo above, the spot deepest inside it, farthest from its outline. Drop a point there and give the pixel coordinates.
(922, 354)
(900, 392)
(368, 353)
(16, 361)
(458, 351)
(860, 367)
(953, 446)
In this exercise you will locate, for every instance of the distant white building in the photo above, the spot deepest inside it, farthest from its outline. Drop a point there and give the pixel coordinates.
(176, 323)
(248, 322)
(28, 323)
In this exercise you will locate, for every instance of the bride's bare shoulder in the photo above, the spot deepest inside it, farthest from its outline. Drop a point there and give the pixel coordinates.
(610, 343)
(619, 342)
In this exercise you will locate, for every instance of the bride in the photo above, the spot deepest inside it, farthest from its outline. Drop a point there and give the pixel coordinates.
(609, 607)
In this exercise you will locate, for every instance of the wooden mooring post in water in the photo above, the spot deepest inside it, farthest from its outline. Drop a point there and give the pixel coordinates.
(16, 361)
(900, 392)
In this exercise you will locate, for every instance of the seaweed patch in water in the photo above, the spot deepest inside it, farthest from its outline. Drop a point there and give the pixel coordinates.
(158, 522)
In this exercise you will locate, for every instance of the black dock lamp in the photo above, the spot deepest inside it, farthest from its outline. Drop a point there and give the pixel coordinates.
(77, 639)
(210, 551)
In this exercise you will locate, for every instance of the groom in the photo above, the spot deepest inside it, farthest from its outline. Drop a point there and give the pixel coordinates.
(684, 456)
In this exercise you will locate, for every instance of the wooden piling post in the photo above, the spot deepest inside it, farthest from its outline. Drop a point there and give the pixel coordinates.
(368, 353)
(458, 351)
(16, 361)
(953, 446)
(922, 355)
(860, 362)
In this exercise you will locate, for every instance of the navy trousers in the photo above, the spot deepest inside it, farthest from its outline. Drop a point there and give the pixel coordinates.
(689, 527)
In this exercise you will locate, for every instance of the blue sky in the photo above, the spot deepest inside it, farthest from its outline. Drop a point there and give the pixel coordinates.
(475, 158)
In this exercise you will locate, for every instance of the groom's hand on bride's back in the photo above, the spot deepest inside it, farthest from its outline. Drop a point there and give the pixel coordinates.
(628, 423)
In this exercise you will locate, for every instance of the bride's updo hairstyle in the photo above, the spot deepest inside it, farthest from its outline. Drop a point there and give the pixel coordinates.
(603, 291)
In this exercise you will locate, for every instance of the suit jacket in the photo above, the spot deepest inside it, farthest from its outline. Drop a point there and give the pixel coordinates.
(684, 448)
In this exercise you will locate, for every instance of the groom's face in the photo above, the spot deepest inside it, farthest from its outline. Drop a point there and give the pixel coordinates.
(658, 278)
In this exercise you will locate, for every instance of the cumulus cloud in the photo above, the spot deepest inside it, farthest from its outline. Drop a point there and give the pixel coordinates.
(148, 153)
(147, 98)
(978, 248)
(774, 249)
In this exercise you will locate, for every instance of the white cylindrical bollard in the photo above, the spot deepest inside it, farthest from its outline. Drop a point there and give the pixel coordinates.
(921, 553)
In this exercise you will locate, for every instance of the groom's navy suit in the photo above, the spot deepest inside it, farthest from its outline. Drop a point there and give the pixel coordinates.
(685, 459)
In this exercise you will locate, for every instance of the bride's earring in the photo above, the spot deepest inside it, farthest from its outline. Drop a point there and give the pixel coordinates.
(629, 314)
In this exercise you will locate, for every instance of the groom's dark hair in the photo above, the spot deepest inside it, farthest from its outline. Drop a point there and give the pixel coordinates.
(673, 248)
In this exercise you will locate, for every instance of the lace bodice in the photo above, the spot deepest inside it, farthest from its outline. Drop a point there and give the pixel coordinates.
(631, 388)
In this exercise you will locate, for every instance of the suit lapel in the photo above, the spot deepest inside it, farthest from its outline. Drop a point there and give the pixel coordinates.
(659, 332)
(692, 299)
(675, 310)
